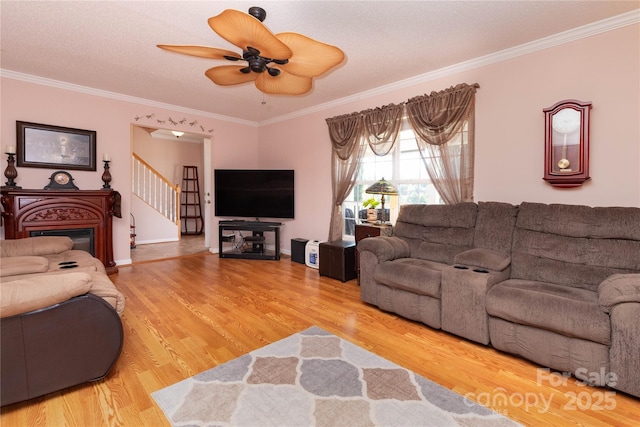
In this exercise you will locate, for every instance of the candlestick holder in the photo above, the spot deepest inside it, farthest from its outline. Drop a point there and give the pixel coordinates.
(11, 172)
(106, 176)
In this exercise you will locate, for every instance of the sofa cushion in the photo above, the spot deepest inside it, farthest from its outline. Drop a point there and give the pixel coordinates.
(17, 265)
(573, 245)
(437, 232)
(572, 312)
(41, 245)
(410, 274)
(21, 296)
(494, 226)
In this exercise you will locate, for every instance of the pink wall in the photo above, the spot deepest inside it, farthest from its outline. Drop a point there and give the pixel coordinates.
(603, 69)
(234, 144)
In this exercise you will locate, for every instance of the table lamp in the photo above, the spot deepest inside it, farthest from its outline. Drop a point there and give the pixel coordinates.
(384, 188)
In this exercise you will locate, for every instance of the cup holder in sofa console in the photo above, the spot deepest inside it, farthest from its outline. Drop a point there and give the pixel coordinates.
(480, 270)
(461, 267)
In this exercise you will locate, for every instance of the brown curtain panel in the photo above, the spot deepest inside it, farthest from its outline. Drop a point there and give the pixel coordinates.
(448, 155)
(350, 134)
(346, 133)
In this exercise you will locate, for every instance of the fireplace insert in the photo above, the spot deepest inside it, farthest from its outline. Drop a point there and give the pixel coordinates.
(82, 237)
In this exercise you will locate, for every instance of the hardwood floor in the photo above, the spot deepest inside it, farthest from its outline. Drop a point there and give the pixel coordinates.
(186, 315)
(187, 245)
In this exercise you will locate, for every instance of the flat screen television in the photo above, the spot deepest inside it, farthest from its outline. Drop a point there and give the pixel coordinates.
(254, 193)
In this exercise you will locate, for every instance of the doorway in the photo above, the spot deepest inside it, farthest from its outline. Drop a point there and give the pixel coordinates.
(166, 154)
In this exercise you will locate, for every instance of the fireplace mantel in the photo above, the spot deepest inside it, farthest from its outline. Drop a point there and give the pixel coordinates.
(27, 212)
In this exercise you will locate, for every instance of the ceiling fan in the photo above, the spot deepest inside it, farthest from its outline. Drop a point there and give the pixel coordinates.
(284, 63)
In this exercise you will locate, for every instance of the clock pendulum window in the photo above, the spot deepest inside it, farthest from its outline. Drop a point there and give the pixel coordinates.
(566, 124)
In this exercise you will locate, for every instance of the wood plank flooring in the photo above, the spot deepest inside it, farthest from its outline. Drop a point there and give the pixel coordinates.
(188, 314)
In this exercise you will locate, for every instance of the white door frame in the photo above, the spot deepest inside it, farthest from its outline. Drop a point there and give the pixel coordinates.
(207, 191)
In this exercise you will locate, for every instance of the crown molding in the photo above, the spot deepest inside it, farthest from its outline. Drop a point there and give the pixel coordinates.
(118, 96)
(568, 36)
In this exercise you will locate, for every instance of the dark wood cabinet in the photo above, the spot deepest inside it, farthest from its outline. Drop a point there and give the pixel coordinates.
(338, 260)
(29, 213)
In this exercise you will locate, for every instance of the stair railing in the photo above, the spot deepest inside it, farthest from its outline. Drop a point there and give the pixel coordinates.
(155, 190)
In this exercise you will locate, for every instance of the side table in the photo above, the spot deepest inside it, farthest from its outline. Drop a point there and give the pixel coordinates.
(338, 260)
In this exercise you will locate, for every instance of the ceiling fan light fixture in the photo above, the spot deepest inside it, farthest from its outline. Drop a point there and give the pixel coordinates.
(257, 64)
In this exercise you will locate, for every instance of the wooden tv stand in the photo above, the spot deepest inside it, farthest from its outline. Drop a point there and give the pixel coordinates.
(248, 247)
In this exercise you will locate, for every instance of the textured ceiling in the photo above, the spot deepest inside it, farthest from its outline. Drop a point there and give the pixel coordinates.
(111, 45)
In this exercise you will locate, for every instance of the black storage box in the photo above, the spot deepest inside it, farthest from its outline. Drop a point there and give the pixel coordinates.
(298, 246)
(338, 260)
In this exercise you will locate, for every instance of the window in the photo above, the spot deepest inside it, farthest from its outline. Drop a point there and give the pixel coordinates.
(403, 167)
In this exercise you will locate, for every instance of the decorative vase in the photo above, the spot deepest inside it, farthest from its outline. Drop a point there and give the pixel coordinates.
(372, 215)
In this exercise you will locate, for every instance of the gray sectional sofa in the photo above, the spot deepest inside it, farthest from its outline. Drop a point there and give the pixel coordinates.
(556, 284)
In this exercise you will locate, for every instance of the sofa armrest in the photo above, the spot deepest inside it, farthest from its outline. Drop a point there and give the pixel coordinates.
(618, 289)
(385, 248)
(103, 287)
(21, 296)
(60, 346)
(33, 246)
(483, 258)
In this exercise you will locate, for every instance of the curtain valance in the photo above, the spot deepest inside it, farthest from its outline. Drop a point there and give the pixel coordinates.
(435, 118)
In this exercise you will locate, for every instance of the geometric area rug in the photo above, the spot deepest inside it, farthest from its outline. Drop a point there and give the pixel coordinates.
(314, 378)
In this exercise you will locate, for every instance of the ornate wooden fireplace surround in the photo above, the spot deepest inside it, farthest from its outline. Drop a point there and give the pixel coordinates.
(34, 212)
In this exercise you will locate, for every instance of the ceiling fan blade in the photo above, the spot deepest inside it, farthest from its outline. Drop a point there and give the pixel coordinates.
(227, 75)
(244, 30)
(310, 58)
(283, 84)
(200, 51)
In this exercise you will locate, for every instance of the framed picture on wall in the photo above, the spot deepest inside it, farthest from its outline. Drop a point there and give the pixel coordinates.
(55, 147)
